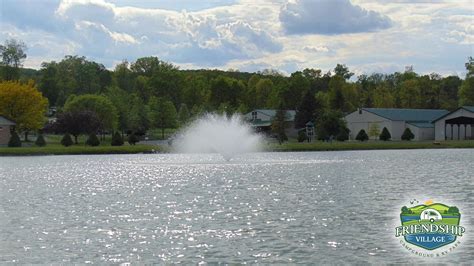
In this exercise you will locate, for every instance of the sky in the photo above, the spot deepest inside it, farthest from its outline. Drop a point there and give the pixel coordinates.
(249, 35)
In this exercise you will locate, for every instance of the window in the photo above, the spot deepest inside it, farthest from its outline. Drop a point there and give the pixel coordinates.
(254, 115)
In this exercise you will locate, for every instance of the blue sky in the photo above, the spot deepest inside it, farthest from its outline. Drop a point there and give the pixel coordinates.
(249, 35)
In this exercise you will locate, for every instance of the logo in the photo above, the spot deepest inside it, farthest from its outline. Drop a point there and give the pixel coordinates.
(430, 226)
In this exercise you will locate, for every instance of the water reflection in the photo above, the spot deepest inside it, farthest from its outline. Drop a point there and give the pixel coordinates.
(264, 207)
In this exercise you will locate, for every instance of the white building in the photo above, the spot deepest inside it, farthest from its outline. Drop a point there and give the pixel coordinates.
(456, 125)
(395, 120)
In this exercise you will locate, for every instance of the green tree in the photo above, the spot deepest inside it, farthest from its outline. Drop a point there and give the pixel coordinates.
(92, 140)
(66, 140)
(306, 110)
(410, 94)
(362, 136)
(343, 71)
(40, 142)
(101, 105)
(336, 95)
(133, 139)
(329, 124)
(385, 135)
(407, 134)
(302, 136)
(374, 130)
(14, 140)
(279, 125)
(262, 91)
(117, 139)
(162, 114)
(13, 55)
(466, 92)
(24, 104)
(183, 114)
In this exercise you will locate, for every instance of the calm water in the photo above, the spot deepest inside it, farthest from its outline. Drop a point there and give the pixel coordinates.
(325, 207)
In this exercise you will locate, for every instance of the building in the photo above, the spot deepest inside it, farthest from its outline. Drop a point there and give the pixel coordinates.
(458, 124)
(5, 128)
(419, 121)
(261, 121)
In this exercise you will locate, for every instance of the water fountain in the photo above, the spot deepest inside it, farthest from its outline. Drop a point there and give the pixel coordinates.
(213, 133)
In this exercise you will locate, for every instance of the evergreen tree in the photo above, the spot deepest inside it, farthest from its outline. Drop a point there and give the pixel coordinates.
(278, 125)
(133, 138)
(305, 110)
(343, 134)
(40, 141)
(362, 136)
(66, 140)
(407, 134)
(183, 114)
(92, 140)
(302, 136)
(117, 139)
(385, 135)
(14, 140)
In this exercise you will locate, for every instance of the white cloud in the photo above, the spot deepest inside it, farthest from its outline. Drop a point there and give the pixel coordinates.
(330, 17)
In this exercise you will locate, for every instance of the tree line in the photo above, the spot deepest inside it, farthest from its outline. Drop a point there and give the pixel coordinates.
(151, 93)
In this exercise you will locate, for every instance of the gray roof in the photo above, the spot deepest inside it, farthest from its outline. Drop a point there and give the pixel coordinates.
(467, 108)
(290, 114)
(422, 124)
(6, 122)
(413, 115)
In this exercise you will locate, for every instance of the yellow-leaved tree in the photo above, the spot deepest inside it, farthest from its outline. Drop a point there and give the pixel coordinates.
(24, 104)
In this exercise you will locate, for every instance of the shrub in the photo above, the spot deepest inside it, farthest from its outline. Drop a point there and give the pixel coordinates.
(343, 134)
(14, 140)
(362, 136)
(92, 140)
(302, 136)
(40, 141)
(66, 140)
(117, 139)
(385, 135)
(133, 139)
(407, 134)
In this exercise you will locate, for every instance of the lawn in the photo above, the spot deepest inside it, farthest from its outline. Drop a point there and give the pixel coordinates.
(54, 147)
(368, 145)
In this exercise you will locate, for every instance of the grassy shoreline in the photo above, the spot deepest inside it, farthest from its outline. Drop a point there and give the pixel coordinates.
(370, 145)
(77, 149)
(57, 149)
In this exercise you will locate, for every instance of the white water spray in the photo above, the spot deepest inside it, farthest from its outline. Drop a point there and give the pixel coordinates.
(214, 133)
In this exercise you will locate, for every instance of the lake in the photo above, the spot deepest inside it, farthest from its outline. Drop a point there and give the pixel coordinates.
(320, 207)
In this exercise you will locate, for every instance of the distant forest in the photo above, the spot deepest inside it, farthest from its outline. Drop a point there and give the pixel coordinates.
(134, 86)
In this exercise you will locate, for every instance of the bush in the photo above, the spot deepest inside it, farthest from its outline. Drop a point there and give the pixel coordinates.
(343, 134)
(362, 136)
(92, 140)
(117, 139)
(407, 134)
(385, 135)
(302, 136)
(14, 140)
(133, 139)
(40, 141)
(67, 140)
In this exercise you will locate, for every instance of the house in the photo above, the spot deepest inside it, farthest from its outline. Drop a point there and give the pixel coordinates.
(458, 124)
(5, 128)
(261, 120)
(419, 121)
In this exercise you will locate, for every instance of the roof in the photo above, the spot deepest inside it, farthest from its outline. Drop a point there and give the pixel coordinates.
(6, 122)
(259, 123)
(467, 108)
(414, 115)
(422, 124)
(290, 114)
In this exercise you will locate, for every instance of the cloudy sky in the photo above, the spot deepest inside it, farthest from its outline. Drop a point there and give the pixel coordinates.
(249, 35)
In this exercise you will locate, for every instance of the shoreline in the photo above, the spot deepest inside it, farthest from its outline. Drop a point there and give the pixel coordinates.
(273, 147)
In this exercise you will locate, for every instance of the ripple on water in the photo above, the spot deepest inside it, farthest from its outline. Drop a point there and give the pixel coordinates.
(263, 207)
